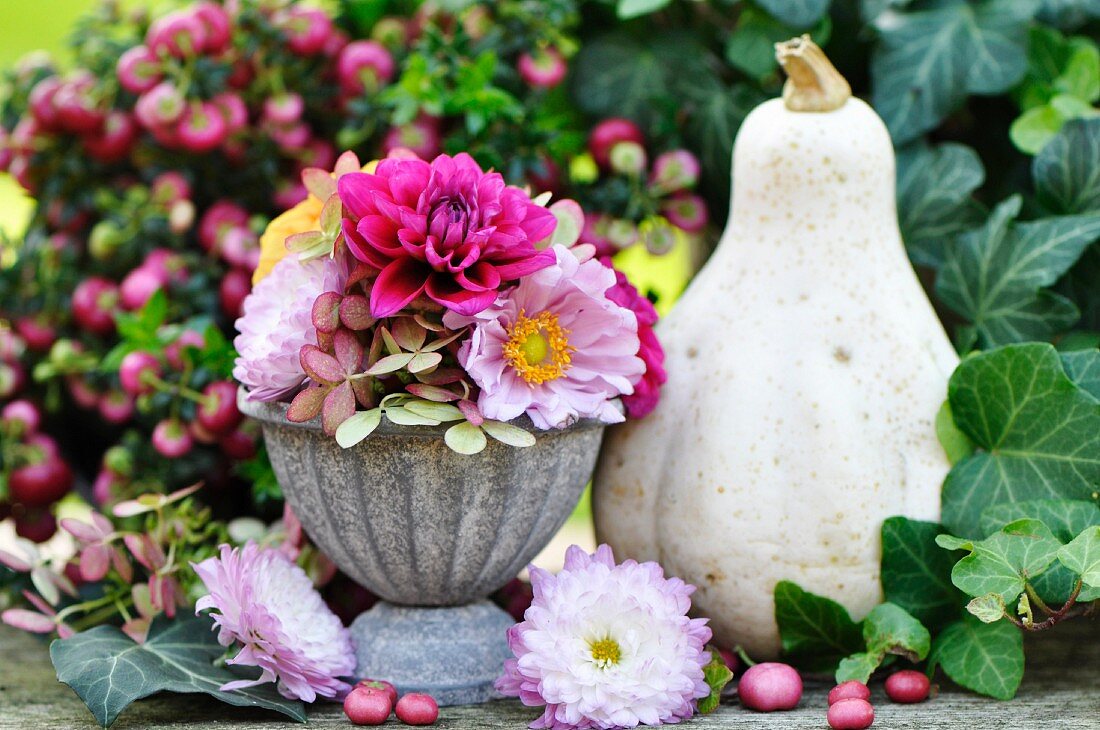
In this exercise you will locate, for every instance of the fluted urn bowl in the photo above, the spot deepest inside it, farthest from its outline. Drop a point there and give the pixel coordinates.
(416, 523)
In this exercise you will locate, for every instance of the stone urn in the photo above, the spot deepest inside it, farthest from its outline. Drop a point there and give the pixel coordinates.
(432, 533)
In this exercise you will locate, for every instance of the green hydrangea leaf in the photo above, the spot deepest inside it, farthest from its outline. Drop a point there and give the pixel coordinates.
(1067, 171)
(1003, 562)
(930, 58)
(935, 186)
(995, 275)
(358, 427)
(985, 658)
(1037, 432)
(108, 671)
(717, 676)
(816, 632)
(988, 608)
(508, 434)
(440, 412)
(916, 574)
(466, 438)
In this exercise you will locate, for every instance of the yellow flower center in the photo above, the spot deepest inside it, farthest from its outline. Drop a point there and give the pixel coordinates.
(605, 652)
(538, 348)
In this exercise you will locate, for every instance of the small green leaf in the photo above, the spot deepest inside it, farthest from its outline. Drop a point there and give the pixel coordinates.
(916, 574)
(402, 416)
(954, 442)
(988, 608)
(390, 364)
(628, 9)
(1032, 130)
(358, 427)
(424, 361)
(1082, 556)
(508, 434)
(466, 438)
(109, 671)
(1066, 171)
(816, 632)
(890, 629)
(441, 412)
(985, 658)
(859, 667)
(1003, 562)
(717, 676)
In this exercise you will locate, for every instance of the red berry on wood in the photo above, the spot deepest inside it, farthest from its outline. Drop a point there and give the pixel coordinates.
(417, 709)
(908, 686)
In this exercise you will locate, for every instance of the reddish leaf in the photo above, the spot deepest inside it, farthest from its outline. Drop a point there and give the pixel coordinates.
(408, 334)
(320, 366)
(345, 163)
(16, 563)
(320, 183)
(145, 551)
(338, 407)
(349, 352)
(432, 393)
(81, 530)
(364, 393)
(326, 312)
(443, 376)
(361, 272)
(355, 312)
(25, 620)
(307, 404)
(471, 411)
(95, 561)
(122, 566)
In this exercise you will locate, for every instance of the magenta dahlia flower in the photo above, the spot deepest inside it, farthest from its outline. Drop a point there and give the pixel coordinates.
(276, 323)
(263, 601)
(445, 230)
(554, 347)
(647, 389)
(607, 646)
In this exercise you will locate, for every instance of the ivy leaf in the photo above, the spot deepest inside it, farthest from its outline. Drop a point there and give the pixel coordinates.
(717, 676)
(1082, 556)
(816, 632)
(1066, 518)
(993, 276)
(890, 629)
(1083, 368)
(987, 608)
(934, 197)
(751, 45)
(929, 60)
(617, 75)
(636, 8)
(796, 13)
(1067, 170)
(916, 574)
(1003, 562)
(954, 442)
(985, 658)
(1038, 434)
(109, 671)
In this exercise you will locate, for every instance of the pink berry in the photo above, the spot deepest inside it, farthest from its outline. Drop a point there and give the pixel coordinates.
(731, 660)
(6, 153)
(138, 287)
(24, 413)
(105, 487)
(288, 193)
(219, 218)
(307, 30)
(382, 685)
(170, 186)
(160, 106)
(41, 102)
(114, 140)
(217, 24)
(770, 686)
(139, 70)
(180, 34)
(234, 287)
(36, 525)
(852, 689)
(675, 170)
(40, 484)
(233, 110)
(82, 393)
(202, 127)
(543, 69)
(420, 136)
(687, 212)
(135, 368)
(77, 110)
(367, 706)
(417, 709)
(627, 158)
(285, 108)
(93, 304)
(610, 132)
(291, 138)
(171, 438)
(241, 444)
(37, 332)
(364, 66)
(908, 686)
(218, 412)
(851, 713)
(174, 351)
(116, 407)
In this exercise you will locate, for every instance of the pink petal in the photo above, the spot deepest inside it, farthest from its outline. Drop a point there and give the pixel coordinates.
(527, 266)
(398, 284)
(443, 290)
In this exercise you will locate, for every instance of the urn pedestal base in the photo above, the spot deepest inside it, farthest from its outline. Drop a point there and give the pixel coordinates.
(453, 653)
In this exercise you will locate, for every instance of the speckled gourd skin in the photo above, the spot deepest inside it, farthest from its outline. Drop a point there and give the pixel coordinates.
(806, 367)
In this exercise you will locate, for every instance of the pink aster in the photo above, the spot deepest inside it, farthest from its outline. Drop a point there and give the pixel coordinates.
(263, 601)
(607, 646)
(554, 347)
(445, 230)
(647, 390)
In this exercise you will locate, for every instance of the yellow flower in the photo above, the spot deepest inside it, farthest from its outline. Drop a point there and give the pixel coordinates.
(302, 218)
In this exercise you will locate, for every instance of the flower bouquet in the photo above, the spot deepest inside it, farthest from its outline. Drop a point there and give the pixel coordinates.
(411, 312)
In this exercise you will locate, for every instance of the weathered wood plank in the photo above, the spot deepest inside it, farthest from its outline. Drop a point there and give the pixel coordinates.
(1060, 692)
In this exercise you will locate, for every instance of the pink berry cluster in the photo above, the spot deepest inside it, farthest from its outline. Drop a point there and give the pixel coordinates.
(372, 701)
(38, 476)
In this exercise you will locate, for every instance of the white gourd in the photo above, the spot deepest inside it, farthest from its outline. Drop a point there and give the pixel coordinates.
(806, 367)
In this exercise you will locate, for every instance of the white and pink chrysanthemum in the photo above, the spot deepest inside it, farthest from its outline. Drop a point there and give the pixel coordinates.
(554, 347)
(607, 646)
(276, 323)
(262, 600)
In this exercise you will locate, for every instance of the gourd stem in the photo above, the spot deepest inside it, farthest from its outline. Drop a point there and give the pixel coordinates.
(813, 83)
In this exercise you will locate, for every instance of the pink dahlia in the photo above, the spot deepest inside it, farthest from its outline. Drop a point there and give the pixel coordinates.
(276, 323)
(445, 230)
(554, 347)
(607, 646)
(647, 390)
(266, 603)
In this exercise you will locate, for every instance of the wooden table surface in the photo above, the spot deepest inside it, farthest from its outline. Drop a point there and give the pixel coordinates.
(1061, 690)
